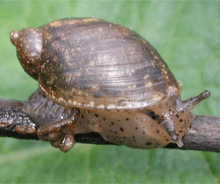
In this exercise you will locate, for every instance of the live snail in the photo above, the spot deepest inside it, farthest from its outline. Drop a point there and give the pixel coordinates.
(98, 76)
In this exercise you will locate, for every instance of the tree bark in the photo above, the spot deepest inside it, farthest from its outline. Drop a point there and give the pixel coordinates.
(204, 133)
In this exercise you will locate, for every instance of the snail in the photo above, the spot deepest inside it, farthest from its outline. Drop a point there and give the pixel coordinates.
(98, 76)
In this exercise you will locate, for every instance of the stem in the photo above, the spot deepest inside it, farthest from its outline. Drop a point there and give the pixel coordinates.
(204, 133)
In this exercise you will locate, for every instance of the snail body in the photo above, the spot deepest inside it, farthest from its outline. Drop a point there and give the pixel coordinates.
(109, 79)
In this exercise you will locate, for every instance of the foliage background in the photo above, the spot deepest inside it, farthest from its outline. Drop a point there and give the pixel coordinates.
(186, 34)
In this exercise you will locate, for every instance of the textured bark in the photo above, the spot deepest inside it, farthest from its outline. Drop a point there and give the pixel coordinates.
(204, 133)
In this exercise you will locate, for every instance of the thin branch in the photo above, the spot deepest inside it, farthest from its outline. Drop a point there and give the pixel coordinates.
(204, 133)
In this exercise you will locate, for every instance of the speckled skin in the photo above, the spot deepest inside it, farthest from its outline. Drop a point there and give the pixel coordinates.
(107, 79)
(139, 129)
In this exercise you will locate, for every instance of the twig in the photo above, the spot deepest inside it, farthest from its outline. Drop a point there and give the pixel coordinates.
(204, 133)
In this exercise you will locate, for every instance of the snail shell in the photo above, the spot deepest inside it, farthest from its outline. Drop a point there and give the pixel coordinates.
(112, 72)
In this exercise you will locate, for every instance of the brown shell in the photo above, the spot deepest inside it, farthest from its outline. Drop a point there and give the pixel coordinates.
(93, 63)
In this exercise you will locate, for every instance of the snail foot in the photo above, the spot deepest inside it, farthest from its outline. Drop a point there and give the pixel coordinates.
(59, 134)
(65, 143)
(25, 129)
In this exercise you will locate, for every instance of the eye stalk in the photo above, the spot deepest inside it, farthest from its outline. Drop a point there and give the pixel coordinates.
(28, 44)
(191, 103)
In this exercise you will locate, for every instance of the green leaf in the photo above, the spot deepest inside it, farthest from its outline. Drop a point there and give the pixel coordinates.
(186, 34)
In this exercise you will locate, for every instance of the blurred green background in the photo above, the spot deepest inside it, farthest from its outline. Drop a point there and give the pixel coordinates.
(185, 33)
